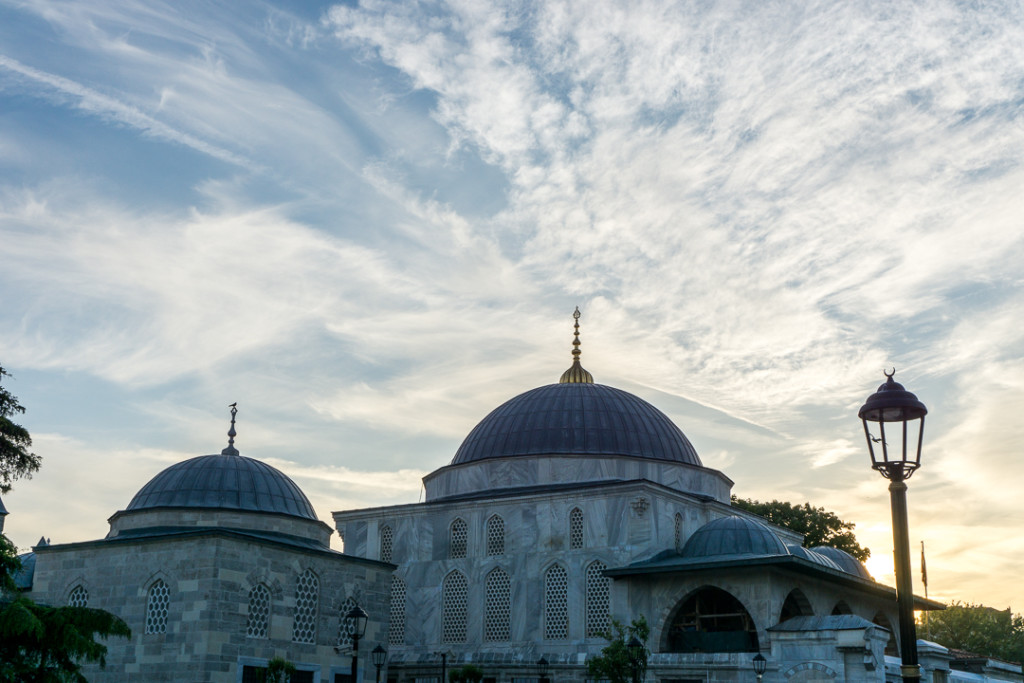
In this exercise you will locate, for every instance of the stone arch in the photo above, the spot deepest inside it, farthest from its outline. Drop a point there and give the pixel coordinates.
(458, 539)
(796, 605)
(892, 647)
(808, 672)
(841, 608)
(709, 619)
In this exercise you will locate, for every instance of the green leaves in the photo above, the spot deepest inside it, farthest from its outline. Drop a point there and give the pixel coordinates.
(15, 459)
(977, 629)
(615, 664)
(818, 525)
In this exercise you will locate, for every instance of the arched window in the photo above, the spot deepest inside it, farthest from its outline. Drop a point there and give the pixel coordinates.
(385, 543)
(307, 602)
(495, 535)
(79, 597)
(711, 620)
(454, 594)
(459, 538)
(396, 636)
(679, 532)
(345, 627)
(259, 612)
(497, 606)
(599, 589)
(157, 602)
(575, 529)
(796, 605)
(556, 607)
(892, 647)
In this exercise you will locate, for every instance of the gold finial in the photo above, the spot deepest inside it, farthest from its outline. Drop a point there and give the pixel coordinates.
(576, 374)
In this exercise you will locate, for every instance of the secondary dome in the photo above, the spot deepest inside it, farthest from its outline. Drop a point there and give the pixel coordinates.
(733, 535)
(227, 482)
(847, 562)
(576, 419)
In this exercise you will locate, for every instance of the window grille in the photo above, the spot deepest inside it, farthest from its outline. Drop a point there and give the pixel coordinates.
(598, 600)
(385, 544)
(79, 597)
(396, 636)
(345, 627)
(576, 529)
(556, 609)
(259, 612)
(495, 535)
(497, 606)
(679, 532)
(156, 607)
(453, 620)
(459, 538)
(307, 599)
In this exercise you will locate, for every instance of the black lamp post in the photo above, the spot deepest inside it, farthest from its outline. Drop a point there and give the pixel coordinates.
(356, 620)
(444, 665)
(542, 670)
(636, 653)
(894, 405)
(760, 664)
(378, 657)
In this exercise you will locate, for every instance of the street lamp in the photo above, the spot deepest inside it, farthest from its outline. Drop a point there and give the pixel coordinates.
(636, 653)
(444, 664)
(356, 620)
(542, 670)
(892, 404)
(378, 657)
(760, 664)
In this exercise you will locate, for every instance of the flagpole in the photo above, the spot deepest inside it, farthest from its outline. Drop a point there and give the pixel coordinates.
(924, 580)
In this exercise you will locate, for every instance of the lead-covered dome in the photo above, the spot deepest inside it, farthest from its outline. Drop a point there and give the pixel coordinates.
(227, 482)
(577, 418)
(733, 535)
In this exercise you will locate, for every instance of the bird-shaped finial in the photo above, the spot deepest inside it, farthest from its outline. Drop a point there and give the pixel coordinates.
(231, 450)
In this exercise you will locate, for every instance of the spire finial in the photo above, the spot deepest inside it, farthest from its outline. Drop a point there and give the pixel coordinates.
(576, 374)
(231, 450)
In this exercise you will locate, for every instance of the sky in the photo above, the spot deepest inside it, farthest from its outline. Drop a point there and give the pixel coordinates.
(369, 224)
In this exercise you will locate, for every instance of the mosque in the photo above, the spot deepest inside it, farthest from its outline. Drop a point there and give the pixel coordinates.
(567, 507)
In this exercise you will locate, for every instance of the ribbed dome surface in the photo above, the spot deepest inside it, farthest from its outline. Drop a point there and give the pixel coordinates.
(230, 482)
(847, 562)
(733, 536)
(576, 419)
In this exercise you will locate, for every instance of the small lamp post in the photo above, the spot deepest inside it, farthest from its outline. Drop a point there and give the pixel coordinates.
(760, 664)
(378, 657)
(356, 620)
(542, 670)
(894, 405)
(636, 653)
(444, 664)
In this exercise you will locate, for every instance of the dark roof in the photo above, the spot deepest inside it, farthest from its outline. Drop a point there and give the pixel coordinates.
(231, 482)
(576, 419)
(733, 535)
(24, 576)
(834, 622)
(847, 562)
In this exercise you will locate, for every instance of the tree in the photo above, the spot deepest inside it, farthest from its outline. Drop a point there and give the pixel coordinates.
(279, 670)
(15, 459)
(818, 525)
(466, 674)
(614, 664)
(979, 630)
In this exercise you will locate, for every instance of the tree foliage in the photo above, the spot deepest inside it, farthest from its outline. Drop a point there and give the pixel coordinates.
(466, 674)
(818, 525)
(978, 629)
(16, 461)
(279, 670)
(614, 664)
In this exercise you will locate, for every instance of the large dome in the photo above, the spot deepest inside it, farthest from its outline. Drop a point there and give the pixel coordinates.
(576, 418)
(225, 481)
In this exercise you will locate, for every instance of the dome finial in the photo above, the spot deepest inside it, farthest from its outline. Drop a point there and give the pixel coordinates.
(576, 374)
(231, 450)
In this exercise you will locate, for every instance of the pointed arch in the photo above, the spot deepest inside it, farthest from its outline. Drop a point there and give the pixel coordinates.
(258, 620)
(495, 535)
(307, 604)
(386, 541)
(158, 600)
(78, 597)
(892, 648)
(556, 603)
(841, 608)
(710, 620)
(796, 605)
(576, 536)
(678, 531)
(497, 606)
(454, 599)
(345, 627)
(396, 634)
(598, 599)
(458, 538)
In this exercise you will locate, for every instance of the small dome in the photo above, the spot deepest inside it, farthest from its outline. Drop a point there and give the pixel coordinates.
(576, 419)
(733, 535)
(225, 481)
(812, 556)
(847, 562)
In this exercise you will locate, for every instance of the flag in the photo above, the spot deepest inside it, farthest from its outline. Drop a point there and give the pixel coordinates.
(924, 568)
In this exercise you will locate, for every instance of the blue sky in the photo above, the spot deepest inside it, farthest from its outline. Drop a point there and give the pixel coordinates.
(369, 223)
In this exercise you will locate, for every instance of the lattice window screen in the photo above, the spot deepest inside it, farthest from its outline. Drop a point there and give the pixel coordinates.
(79, 597)
(156, 607)
(497, 606)
(576, 529)
(556, 608)
(495, 535)
(345, 627)
(386, 536)
(396, 636)
(598, 600)
(459, 538)
(679, 531)
(259, 612)
(307, 600)
(454, 595)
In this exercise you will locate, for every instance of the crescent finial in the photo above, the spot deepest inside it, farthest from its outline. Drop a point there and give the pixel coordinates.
(890, 374)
